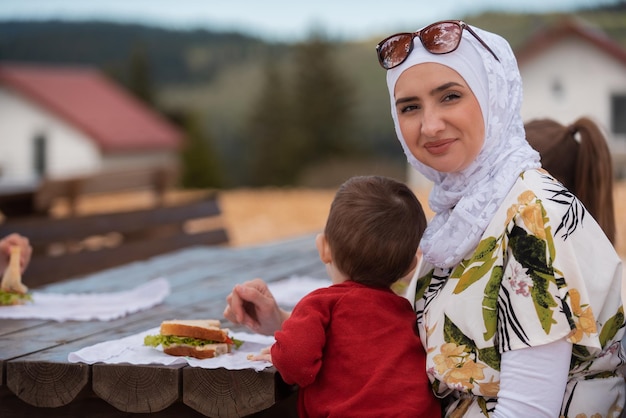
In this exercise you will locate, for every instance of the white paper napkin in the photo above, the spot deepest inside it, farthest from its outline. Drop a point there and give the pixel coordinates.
(131, 350)
(288, 292)
(89, 306)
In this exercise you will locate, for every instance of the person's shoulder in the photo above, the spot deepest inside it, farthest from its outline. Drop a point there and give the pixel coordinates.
(543, 185)
(332, 291)
(533, 189)
(537, 178)
(350, 291)
(327, 297)
(559, 206)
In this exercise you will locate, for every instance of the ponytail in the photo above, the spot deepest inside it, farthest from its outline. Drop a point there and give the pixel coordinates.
(594, 174)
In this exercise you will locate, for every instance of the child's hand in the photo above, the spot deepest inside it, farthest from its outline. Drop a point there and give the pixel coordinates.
(264, 355)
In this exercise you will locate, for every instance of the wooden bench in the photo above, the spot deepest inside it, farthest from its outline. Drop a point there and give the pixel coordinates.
(157, 179)
(39, 198)
(68, 247)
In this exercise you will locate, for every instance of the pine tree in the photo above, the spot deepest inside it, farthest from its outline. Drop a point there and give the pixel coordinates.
(322, 102)
(300, 118)
(200, 165)
(273, 149)
(139, 75)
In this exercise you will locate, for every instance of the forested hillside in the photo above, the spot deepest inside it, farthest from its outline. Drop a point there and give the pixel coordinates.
(195, 56)
(267, 113)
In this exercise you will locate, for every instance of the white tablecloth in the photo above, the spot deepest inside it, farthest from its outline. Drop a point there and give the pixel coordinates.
(89, 306)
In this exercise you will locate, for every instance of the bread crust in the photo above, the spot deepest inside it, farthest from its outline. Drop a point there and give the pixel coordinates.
(203, 329)
(201, 352)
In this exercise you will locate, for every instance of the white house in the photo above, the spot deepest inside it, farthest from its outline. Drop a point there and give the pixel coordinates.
(569, 70)
(58, 122)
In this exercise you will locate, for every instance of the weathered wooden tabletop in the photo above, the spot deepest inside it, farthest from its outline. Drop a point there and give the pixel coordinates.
(38, 380)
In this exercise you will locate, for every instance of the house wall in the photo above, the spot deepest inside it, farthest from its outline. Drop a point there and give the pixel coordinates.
(575, 78)
(69, 151)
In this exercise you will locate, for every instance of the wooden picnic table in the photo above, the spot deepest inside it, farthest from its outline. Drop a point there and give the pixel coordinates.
(38, 380)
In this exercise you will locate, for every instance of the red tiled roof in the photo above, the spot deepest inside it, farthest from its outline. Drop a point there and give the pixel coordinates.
(86, 99)
(544, 38)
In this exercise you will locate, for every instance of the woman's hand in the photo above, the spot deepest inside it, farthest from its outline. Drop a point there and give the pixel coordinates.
(5, 251)
(253, 305)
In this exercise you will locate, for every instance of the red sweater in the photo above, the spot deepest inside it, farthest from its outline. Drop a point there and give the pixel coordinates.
(354, 352)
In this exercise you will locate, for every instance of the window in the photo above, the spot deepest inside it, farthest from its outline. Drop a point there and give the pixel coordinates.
(618, 114)
(558, 91)
(39, 154)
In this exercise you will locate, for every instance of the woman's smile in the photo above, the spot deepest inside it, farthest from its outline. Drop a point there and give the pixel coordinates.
(440, 146)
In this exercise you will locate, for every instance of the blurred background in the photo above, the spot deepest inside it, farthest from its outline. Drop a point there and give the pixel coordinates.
(272, 104)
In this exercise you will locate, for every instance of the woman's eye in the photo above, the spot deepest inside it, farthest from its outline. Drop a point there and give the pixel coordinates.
(451, 96)
(408, 108)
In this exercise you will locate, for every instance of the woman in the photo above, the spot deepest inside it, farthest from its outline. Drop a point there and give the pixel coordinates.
(517, 295)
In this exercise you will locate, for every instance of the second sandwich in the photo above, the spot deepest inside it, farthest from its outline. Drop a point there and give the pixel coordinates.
(199, 338)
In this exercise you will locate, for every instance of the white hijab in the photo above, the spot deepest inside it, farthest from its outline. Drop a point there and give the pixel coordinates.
(465, 202)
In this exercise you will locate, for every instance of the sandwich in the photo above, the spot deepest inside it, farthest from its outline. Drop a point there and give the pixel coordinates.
(12, 290)
(199, 338)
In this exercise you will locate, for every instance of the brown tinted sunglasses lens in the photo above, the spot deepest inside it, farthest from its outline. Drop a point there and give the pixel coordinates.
(395, 50)
(441, 38)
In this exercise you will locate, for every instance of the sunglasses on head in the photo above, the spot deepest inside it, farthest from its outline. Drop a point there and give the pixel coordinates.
(439, 38)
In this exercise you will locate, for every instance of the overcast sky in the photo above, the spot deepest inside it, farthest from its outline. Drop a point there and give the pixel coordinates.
(280, 19)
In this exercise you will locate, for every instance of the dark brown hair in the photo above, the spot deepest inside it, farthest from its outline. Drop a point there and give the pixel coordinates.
(373, 229)
(578, 156)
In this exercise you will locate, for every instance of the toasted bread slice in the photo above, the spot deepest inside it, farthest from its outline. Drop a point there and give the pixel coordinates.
(203, 329)
(200, 352)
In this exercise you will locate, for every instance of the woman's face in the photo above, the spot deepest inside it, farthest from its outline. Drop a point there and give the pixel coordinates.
(439, 117)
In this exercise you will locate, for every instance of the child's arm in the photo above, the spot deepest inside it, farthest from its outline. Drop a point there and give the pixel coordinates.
(297, 352)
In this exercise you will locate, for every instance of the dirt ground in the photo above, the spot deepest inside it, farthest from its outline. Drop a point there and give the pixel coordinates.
(257, 216)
